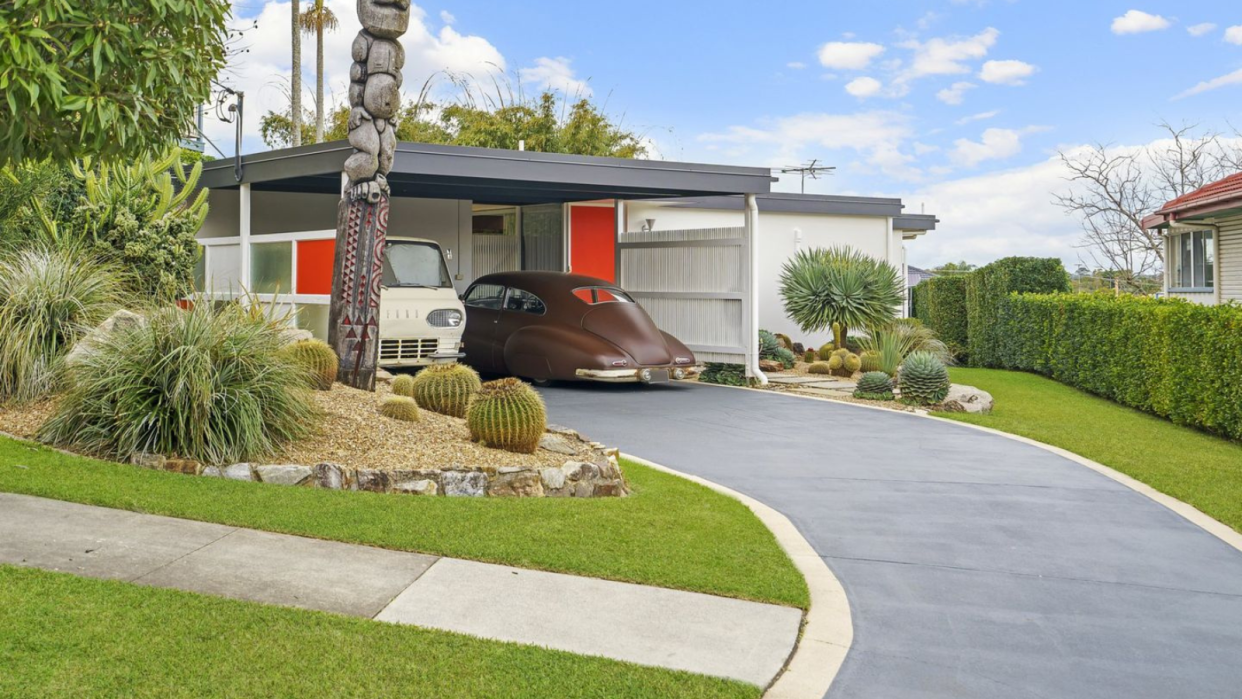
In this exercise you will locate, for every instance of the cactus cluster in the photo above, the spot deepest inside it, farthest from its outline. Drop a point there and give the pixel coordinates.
(825, 351)
(319, 360)
(399, 408)
(819, 368)
(844, 363)
(874, 385)
(870, 361)
(923, 379)
(446, 388)
(507, 414)
(403, 385)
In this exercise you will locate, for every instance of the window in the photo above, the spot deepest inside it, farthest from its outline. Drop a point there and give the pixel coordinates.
(1193, 259)
(271, 268)
(415, 265)
(524, 302)
(486, 296)
(599, 294)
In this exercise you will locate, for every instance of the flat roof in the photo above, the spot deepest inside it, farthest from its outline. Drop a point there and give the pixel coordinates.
(488, 175)
(829, 204)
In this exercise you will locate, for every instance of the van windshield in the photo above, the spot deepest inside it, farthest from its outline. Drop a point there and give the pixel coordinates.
(413, 264)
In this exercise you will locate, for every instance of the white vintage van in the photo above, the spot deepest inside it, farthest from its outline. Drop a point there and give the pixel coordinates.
(421, 317)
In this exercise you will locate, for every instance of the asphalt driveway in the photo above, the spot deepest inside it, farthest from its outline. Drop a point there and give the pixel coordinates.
(975, 566)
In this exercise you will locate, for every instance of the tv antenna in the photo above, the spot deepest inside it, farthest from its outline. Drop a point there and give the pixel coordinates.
(811, 169)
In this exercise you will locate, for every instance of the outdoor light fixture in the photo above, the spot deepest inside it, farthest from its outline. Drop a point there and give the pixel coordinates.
(648, 225)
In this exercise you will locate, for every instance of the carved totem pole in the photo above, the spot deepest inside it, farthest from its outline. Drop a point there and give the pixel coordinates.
(362, 215)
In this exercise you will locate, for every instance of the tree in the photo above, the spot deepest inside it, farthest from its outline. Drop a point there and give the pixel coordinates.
(108, 78)
(840, 288)
(319, 20)
(953, 268)
(1115, 188)
(295, 79)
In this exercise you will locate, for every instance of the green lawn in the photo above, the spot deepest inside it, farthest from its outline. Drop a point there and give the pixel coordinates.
(1189, 465)
(65, 636)
(671, 532)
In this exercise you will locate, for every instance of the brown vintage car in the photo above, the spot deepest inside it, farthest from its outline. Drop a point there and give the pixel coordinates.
(549, 326)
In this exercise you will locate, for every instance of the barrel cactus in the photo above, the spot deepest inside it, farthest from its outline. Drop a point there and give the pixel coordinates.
(844, 363)
(819, 368)
(826, 350)
(446, 388)
(923, 379)
(319, 360)
(400, 408)
(874, 385)
(810, 357)
(507, 414)
(403, 385)
(870, 361)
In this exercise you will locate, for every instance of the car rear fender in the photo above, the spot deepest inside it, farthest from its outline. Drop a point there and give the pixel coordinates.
(558, 352)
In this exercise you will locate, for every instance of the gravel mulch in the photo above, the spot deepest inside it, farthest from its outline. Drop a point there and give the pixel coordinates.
(24, 420)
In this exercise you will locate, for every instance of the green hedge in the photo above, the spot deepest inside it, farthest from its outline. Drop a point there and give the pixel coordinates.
(1175, 359)
(987, 289)
(940, 303)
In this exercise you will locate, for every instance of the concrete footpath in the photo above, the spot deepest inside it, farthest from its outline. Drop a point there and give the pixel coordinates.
(699, 633)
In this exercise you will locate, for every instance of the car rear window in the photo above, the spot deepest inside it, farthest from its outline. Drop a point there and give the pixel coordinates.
(602, 294)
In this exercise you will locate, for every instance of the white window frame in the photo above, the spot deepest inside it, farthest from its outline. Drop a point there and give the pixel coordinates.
(1202, 265)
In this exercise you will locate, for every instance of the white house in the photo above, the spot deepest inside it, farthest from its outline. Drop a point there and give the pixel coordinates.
(1203, 242)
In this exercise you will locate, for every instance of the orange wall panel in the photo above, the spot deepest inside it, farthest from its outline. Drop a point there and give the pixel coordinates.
(315, 266)
(592, 246)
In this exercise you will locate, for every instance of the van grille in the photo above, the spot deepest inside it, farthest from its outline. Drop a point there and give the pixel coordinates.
(408, 349)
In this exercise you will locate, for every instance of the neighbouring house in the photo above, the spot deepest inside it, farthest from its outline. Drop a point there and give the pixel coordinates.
(914, 277)
(706, 271)
(1203, 242)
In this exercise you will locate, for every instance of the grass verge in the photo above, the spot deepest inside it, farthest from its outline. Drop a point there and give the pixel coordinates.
(67, 636)
(671, 532)
(1194, 467)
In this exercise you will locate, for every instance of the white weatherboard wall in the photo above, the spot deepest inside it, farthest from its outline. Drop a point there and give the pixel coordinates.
(777, 242)
(1230, 251)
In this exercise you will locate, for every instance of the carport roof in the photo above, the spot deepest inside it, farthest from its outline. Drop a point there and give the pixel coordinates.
(490, 175)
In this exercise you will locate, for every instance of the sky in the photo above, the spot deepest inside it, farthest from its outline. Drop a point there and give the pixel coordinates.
(960, 107)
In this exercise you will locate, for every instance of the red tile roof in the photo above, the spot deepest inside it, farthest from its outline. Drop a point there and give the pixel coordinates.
(1214, 195)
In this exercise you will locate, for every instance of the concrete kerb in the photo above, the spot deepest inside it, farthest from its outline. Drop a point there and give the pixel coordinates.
(827, 628)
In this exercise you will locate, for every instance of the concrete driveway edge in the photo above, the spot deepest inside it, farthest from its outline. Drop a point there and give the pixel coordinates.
(827, 629)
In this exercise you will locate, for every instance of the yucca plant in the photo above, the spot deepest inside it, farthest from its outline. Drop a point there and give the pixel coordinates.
(839, 288)
(924, 380)
(446, 388)
(50, 298)
(207, 384)
(507, 414)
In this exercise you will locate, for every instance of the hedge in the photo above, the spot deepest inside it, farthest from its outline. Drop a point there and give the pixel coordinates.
(1171, 358)
(940, 303)
(988, 287)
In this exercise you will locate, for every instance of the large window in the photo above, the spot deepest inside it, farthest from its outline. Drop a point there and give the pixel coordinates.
(1192, 261)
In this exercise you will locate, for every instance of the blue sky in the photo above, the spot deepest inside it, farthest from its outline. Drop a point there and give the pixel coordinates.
(956, 105)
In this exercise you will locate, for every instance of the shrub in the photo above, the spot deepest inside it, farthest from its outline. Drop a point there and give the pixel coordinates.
(446, 388)
(940, 304)
(768, 345)
(49, 299)
(507, 414)
(839, 288)
(403, 385)
(401, 408)
(208, 384)
(1170, 358)
(987, 289)
(810, 357)
(874, 385)
(785, 357)
(724, 374)
(924, 380)
(318, 359)
(819, 368)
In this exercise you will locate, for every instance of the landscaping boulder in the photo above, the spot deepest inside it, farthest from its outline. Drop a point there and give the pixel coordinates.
(557, 444)
(967, 399)
(284, 474)
(238, 472)
(516, 482)
(330, 476)
(119, 320)
(471, 484)
(423, 486)
(770, 366)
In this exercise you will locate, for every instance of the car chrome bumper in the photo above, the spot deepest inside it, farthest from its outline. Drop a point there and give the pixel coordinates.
(654, 374)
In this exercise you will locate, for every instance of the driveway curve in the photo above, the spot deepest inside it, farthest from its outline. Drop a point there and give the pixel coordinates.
(975, 565)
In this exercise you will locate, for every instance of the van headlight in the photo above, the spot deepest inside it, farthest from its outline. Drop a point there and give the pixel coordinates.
(444, 318)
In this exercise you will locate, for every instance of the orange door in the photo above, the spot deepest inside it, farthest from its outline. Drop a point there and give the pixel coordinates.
(592, 243)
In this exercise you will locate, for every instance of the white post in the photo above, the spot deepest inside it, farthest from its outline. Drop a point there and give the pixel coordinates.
(566, 234)
(243, 232)
(619, 226)
(751, 334)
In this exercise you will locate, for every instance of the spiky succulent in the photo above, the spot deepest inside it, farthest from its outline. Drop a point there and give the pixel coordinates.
(507, 414)
(768, 345)
(841, 285)
(924, 380)
(399, 408)
(319, 360)
(786, 357)
(446, 388)
(403, 385)
(819, 368)
(874, 385)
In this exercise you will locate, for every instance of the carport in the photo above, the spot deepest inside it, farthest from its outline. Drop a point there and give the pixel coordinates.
(271, 229)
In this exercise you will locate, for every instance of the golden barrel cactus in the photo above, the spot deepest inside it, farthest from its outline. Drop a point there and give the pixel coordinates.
(507, 414)
(319, 360)
(399, 408)
(446, 388)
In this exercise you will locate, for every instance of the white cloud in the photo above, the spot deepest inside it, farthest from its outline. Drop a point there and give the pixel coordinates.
(846, 55)
(1006, 72)
(946, 56)
(1137, 22)
(1234, 78)
(981, 116)
(955, 93)
(447, 17)
(1201, 29)
(795, 65)
(1234, 35)
(555, 74)
(864, 87)
(995, 144)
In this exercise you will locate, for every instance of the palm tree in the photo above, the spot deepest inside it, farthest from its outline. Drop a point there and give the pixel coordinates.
(295, 81)
(318, 20)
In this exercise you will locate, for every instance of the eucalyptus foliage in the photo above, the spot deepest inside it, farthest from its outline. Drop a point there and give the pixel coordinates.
(108, 78)
(839, 285)
(210, 384)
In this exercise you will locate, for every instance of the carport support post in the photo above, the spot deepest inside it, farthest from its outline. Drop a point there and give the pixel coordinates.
(751, 310)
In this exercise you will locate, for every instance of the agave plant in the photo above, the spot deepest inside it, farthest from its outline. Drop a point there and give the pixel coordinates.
(896, 340)
(839, 288)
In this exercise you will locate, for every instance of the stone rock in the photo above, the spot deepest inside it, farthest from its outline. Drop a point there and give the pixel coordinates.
(522, 483)
(557, 444)
(155, 461)
(584, 489)
(365, 138)
(238, 472)
(967, 399)
(371, 481)
(770, 365)
(383, 376)
(612, 489)
(119, 320)
(387, 19)
(283, 474)
(420, 487)
(289, 336)
(607, 469)
(511, 469)
(564, 431)
(188, 467)
(330, 476)
(382, 96)
(464, 483)
(580, 471)
(213, 472)
(385, 57)
(553, 478)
